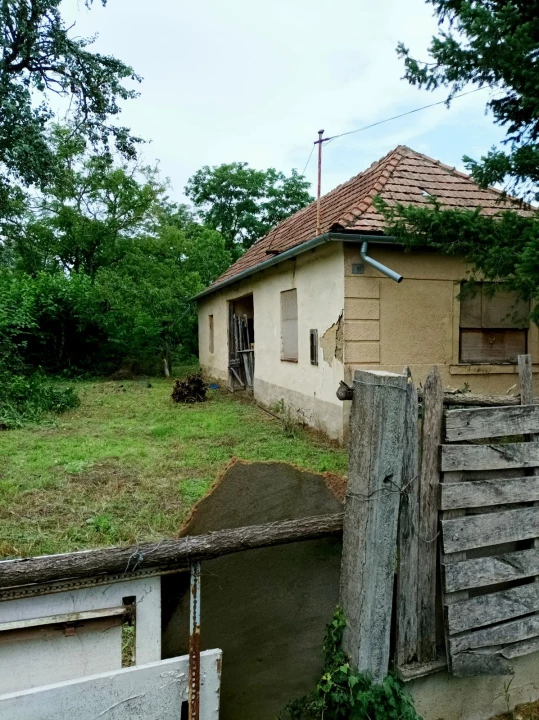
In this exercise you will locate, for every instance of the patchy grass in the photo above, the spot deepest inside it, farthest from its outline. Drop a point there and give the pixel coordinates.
(127, 465)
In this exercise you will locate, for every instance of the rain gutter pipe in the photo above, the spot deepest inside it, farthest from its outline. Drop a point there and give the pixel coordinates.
(305, 247)
(378, 265)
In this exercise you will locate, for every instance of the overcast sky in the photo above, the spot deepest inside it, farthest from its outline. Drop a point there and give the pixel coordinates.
(245, 80)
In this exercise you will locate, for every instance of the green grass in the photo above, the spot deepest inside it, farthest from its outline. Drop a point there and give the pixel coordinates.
(127, 465)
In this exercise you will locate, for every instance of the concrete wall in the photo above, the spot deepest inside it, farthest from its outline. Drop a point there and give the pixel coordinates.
(308, 390)
(265, 609)
(442, 696)
(416, 322)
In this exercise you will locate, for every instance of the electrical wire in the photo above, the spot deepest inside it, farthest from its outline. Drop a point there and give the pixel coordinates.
(308, 160)
(410, 112)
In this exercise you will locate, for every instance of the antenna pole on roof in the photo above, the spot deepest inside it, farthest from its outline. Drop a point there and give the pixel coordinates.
(319, 143)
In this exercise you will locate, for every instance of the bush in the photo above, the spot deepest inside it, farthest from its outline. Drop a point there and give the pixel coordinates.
(26, 399)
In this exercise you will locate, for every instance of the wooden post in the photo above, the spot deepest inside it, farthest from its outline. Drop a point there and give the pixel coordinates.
(429, 482)
(407, 601)
(377, 423)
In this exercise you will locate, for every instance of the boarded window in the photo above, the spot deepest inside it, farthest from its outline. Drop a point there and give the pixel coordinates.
(212, 336)
(493, 326)
(313, 341)
(289, 325)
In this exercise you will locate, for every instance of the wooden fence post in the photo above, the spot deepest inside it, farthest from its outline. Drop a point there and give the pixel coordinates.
(525, 374)
(407, 601)
(429, 482)
(377, 424)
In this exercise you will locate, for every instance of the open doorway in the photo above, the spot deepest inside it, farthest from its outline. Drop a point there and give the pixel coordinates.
(241, 343)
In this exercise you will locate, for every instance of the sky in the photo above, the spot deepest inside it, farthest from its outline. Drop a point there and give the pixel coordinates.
(252, 81)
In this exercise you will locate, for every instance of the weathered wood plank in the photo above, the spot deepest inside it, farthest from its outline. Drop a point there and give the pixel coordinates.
(452, 399)
(479, 423)
(175, 553)
(472, 663)
(407, 600)
(480, 493)
(490, 457)
(481, 572)
(493, 608)
(476, 531)
(377, 424)
(429, 481)
(509, 632)
(492, 660)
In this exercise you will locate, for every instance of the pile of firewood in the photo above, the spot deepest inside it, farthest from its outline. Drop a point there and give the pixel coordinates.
(190, 390)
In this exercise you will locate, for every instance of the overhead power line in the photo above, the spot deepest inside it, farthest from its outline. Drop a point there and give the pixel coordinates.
(395, 117)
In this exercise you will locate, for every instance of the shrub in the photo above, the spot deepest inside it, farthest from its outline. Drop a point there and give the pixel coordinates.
(26, 399)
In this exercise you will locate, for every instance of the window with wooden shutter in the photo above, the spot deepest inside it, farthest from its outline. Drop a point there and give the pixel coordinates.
(289, 325)
(493, 326)
(313, 342)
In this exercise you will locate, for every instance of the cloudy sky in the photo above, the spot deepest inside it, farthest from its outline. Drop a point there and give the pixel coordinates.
(245, 80)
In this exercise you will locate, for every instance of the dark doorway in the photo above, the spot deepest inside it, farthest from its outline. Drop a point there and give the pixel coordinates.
(241, 343)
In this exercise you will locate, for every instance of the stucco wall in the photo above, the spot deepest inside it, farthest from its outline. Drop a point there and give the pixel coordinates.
(306, 389)
(415, 322)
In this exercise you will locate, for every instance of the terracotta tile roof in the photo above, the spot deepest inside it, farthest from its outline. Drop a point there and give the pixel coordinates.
(402, 176)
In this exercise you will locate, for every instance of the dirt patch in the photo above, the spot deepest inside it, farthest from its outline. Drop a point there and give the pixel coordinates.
(527, 711)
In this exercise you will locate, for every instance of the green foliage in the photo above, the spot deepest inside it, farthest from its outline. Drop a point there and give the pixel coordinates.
(244, 204)
(344, 694)
(40, 57)
(495, 44)
(503, 248)
(24, 399)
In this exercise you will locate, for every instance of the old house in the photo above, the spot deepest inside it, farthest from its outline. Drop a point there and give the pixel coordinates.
(302, 309)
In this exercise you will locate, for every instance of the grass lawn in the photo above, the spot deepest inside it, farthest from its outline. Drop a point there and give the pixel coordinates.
(127, 465)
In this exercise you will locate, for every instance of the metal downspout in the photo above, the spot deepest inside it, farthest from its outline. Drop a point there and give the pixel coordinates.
(378, 265)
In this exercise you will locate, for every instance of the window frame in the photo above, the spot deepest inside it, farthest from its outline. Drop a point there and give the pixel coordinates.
(289, 337)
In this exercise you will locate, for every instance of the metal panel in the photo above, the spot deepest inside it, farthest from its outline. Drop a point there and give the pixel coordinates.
(153, 692)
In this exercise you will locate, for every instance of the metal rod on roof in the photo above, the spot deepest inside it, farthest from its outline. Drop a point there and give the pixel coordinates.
(319, 143)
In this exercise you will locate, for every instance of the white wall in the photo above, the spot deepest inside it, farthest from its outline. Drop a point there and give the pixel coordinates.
(307, 389)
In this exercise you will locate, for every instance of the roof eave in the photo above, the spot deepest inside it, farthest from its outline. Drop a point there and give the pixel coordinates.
(293, 252)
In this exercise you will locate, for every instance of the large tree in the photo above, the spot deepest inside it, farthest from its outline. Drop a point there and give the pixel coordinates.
(494, 44)
(40, 57)
(244, 204)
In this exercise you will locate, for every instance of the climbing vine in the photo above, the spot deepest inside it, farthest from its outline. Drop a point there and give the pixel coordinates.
(344, 694)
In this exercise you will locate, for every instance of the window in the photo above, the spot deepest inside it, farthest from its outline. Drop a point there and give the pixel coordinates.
(289, 325)
(313, 342)
(493, 326)
(212, 336)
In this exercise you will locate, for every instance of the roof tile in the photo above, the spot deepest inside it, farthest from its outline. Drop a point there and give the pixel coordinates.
(402, 176)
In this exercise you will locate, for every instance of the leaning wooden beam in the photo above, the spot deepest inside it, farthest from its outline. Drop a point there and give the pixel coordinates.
(429, 483)
(176, 553)
(377, 429)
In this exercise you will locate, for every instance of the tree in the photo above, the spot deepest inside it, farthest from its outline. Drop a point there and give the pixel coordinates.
(244, 204)
(495, 44)
(39, 57)
(92, 205)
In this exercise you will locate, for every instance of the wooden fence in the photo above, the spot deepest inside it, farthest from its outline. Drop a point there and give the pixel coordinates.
(440, 531)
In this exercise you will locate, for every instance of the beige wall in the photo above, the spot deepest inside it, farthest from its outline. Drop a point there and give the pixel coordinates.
(308, 390)
(415, 322)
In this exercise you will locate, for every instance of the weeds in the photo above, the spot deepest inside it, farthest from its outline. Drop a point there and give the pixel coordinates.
(344, 694)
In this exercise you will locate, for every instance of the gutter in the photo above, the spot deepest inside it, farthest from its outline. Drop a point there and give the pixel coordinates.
(305, 247)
